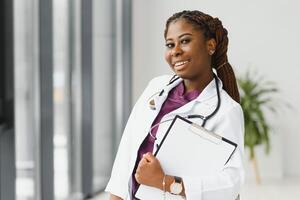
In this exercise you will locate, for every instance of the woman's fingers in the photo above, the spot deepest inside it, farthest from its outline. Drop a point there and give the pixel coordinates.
(143, 162)
(137, 177)
(149, 157)
(149, 171)
(141, 165)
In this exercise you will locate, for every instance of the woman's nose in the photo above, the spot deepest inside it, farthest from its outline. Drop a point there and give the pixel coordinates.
(176, 51)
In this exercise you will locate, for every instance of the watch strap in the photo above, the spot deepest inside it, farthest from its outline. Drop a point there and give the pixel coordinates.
(177, 179)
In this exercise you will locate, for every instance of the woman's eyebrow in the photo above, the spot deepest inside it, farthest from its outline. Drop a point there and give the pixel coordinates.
(184, 34)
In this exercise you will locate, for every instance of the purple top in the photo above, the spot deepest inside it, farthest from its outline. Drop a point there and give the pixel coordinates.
(176, 99)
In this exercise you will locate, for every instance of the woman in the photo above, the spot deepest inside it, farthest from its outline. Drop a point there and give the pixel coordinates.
(196, 43)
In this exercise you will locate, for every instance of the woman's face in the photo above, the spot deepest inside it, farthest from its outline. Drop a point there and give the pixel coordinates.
(187, 50)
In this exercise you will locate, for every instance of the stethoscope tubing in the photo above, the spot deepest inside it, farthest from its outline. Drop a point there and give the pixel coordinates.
(204, 118)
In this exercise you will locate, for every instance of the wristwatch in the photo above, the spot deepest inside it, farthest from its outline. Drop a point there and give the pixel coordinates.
(176, 186)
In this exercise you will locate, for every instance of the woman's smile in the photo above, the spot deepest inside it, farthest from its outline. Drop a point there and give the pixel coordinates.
(180, 65)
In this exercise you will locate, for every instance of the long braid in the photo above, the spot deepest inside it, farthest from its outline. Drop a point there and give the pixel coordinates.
(213, 28)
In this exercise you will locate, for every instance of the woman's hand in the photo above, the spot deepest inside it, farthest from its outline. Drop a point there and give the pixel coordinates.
(149, 171)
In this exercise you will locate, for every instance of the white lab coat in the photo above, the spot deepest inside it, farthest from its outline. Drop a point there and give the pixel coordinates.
(228, 122)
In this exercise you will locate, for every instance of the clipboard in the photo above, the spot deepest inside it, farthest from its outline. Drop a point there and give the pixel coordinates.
(188, 150)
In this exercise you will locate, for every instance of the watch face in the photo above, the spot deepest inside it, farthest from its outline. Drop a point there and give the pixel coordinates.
(176, 188)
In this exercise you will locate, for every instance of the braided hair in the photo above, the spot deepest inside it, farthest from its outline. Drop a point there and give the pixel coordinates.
(212, 28)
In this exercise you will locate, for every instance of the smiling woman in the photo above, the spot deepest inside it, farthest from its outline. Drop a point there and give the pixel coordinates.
(195, 44)
(188, 55)
(203, 37)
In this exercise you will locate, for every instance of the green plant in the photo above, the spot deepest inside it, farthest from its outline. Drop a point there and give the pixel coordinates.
(256, 98)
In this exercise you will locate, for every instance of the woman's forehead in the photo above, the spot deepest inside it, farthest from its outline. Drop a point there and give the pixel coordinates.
(180, 27)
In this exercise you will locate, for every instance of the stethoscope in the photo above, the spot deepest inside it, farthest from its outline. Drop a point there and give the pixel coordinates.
(204, 118)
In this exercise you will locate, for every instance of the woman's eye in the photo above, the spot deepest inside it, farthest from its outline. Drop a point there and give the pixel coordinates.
(185, 41)
(169, 45)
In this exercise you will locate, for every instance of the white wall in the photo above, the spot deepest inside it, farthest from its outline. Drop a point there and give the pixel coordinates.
(262, 35)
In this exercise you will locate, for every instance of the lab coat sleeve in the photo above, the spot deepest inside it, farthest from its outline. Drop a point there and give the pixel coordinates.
(226, 184)
(120, 175)
(118, 183)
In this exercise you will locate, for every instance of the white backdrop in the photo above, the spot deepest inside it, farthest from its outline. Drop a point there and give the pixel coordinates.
(263, 35)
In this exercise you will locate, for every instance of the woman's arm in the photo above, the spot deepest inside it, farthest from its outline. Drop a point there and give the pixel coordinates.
(118, 183)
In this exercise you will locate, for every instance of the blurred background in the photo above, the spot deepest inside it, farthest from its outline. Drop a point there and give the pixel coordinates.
(71, 70)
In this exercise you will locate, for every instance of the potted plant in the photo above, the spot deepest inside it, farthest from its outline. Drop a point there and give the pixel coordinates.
(256, 98)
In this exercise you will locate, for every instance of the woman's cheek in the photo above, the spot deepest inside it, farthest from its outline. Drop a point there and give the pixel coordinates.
(168, 58)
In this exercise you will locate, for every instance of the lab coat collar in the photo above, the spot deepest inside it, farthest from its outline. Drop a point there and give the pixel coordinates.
(208, 92)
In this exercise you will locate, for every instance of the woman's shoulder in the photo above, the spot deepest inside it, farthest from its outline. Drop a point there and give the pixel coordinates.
(161, 80)
(228, 103)
(154, 85)
(158, 82)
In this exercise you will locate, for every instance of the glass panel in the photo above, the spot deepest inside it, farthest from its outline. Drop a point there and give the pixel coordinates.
(61, 98)
(25, 40)
(102, 92)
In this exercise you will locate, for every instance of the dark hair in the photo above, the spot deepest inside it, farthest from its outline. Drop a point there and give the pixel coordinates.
(212, 28)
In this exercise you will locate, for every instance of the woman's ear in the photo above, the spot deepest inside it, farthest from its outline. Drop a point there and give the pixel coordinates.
(211, 46)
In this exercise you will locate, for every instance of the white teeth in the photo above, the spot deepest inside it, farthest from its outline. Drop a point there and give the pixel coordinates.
(180, 63)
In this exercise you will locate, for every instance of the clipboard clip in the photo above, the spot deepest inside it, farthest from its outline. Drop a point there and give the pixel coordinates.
(205, 134)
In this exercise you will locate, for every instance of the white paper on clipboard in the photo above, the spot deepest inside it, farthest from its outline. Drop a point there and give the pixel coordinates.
(187, 149)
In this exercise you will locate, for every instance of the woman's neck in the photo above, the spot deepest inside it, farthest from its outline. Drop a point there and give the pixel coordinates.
(198, 83)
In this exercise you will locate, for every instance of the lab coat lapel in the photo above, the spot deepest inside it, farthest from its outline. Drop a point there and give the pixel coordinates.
(159, 100)
(208, 93)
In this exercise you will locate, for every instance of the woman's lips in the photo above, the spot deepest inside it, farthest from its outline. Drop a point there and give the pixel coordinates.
(180, 65)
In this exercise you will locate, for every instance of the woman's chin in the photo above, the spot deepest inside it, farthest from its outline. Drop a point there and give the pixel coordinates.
(182, 75)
